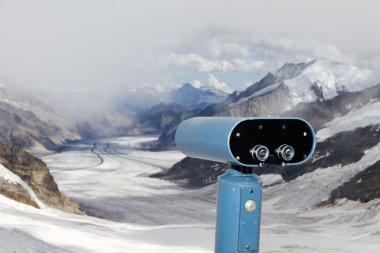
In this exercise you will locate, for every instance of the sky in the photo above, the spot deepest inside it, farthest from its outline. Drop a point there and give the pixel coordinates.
(97, 51)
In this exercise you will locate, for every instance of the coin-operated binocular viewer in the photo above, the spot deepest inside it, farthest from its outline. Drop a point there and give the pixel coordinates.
(244, 143)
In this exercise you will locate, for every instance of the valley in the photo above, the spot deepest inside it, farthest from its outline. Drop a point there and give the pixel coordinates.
(132, 212)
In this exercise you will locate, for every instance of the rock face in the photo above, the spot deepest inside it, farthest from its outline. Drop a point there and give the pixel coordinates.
(364, 187)
(273, 103)
(16, 192)
(194, 172)
(34, 173)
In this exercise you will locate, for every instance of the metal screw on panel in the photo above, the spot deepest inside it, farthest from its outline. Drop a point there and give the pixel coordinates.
(238, 158)
(237, 134)
(247, 247)
(251, 191)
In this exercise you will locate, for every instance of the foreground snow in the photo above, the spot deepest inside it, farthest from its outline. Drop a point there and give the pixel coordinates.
(141, 214)
(75, 233)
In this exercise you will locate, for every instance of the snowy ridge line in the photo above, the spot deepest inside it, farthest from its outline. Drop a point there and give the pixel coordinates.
(328, 77)
(319, 184)
(331, 77)
(365, 116)
(259, 93)
(10, 177)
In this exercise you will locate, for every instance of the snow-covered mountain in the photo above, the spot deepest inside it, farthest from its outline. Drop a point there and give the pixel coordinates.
(141, 99)
(191, 97)
(186, 100)
(293, 84)
(320, 80)
(28, 122)
(342, 104)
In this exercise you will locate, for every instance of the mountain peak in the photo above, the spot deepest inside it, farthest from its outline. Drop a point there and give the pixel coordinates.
(291, 70)
(320, 79)
(189, 96)
(332, 77)
(188, 86)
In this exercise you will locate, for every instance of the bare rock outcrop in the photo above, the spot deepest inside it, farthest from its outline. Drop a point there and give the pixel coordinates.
(36, 174)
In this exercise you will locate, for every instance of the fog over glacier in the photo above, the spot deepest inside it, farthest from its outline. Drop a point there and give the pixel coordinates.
(93, 52)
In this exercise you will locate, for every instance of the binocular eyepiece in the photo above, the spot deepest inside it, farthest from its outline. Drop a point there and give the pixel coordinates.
(261, 153)
(247, 142)
(285, 152)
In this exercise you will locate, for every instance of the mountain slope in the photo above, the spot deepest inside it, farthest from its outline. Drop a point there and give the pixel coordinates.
(319, 80)
(28, 122)
(182, 103)
(28, 180)
(158, 118)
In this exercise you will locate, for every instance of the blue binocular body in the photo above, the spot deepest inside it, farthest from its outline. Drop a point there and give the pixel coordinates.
(244, 142)
(233, 140)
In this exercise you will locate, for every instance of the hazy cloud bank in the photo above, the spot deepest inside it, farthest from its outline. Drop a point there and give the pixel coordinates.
(91, 53)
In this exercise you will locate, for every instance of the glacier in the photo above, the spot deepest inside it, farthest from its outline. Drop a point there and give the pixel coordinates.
(132, 212)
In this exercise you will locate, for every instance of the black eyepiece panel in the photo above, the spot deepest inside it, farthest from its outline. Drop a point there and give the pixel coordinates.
(273, 141)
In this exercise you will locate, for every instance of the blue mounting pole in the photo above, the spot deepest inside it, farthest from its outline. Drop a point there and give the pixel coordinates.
(238, 213)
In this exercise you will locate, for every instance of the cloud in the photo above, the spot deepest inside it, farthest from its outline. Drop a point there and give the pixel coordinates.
(94, 51)
(219, 47)
(201, 64)
(301, 47)
(215, 83)
(196, 83)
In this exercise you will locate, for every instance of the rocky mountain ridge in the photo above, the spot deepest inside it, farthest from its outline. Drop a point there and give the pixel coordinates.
(27, 179)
